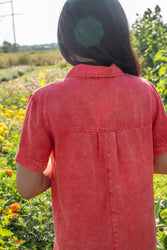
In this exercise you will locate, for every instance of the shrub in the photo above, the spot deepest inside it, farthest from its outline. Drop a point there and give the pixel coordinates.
(150, 36)
(33, 58)
(14, 72)
(24, 59)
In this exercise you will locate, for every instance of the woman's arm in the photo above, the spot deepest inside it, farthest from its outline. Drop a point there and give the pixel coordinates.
(30, 184)
(160, 164)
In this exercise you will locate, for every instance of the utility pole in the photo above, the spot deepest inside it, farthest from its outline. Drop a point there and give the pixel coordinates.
(14, 33)
(13, 23)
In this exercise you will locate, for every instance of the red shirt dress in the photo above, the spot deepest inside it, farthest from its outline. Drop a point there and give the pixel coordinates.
(103, 128)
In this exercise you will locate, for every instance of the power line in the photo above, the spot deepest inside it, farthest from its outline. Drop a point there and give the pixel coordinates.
(4, 2)
(13, 22)
(5, 37)
(10, 15)
(14, 33)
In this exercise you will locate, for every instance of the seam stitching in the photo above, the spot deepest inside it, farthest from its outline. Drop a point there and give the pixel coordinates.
(43, 161)
(163, 145)
(113, 213)
(93, 76)
(104, 130)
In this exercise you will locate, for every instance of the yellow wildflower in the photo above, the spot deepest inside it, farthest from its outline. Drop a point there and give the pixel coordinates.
(41, 82)
(5, 149)
(21, 119)
(42, 75)
(1, 113)
(11, 112)
(20, 87)
(1, 138)
(8, 115)
(3, 125)
(9, 144)
(23, 99)
(6, 132)
(14, 107)
(21, 112)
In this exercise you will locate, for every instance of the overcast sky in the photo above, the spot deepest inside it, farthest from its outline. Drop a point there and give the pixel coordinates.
(38, 21)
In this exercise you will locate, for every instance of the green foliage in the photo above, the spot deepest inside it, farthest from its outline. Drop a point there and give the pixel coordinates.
(150, 41)
(14, 72)
(31, 225)
(160, 195)
(8, 47)
(161, 65)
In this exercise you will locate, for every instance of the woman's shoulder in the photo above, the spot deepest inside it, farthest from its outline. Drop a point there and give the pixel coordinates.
(139, 82)
(48, 88)
(48, 93)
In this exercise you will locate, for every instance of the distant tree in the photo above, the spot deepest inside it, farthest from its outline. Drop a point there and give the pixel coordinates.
(7, 47)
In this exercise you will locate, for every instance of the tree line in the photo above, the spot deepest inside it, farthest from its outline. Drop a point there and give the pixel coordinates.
(8, 47)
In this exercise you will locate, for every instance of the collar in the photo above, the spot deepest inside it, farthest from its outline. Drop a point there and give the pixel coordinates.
(88, 71)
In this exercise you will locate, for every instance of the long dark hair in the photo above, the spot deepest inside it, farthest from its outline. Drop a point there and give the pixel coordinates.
(97, 30)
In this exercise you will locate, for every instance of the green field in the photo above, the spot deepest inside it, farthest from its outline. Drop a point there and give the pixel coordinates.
(33, 58)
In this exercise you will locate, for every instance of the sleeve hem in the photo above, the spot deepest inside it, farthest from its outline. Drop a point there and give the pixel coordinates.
(30, 163)
(160, 150)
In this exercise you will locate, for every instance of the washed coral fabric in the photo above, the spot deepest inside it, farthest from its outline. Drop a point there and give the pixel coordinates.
(103, 128)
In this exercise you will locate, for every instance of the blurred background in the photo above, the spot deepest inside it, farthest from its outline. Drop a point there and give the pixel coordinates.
(36, 21)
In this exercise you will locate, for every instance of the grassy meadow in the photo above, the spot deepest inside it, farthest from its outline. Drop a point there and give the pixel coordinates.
(33, 58)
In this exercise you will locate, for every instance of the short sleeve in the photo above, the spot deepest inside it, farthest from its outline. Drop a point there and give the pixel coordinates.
(35, 142)
(159, 126)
